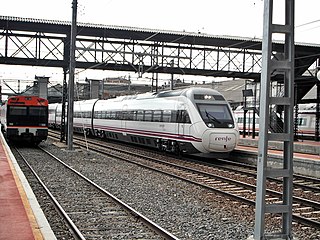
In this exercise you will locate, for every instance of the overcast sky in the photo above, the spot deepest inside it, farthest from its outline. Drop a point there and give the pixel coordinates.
(216, 17)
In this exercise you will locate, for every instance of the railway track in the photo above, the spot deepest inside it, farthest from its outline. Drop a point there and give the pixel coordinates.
(237, 184)
(90, 211)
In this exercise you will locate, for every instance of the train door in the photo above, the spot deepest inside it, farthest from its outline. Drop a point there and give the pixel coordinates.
(183, 120)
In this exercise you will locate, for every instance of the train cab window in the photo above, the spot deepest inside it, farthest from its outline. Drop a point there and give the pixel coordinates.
(216, 115)
(18, 110)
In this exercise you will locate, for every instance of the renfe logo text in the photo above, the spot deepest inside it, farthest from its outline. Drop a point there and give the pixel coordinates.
(225, 139)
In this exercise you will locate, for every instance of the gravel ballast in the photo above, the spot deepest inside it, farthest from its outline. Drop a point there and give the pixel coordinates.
(185, 210)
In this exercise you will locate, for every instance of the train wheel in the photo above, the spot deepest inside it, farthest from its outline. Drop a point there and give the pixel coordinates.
(102, 134)
(88, 132)
(176, 149)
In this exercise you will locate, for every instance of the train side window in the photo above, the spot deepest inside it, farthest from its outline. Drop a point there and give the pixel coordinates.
(127, 115)
(134, 117)
(174, 116)
(166, 116)
(186, 117)
(130, 115)
(119, 115)
(183, 116)
(302, 121)
(140, 115)
(148, 116)
(157, 116)
(113, 115)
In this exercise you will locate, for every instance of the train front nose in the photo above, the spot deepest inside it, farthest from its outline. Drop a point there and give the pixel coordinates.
(220, 141)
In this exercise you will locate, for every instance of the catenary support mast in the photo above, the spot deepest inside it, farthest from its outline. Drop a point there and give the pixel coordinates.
(282, 66)
(71, 74)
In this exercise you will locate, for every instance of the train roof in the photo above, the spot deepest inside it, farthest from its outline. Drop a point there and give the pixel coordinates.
(27, 100)
(171, 93)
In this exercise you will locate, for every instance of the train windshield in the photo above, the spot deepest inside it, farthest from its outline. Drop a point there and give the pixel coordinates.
(17, 111)
(37, 111)
(216, 115)
(27, 115)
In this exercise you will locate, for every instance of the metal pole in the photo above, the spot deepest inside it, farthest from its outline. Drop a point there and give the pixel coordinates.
(71, 74)
(171, 81)
(254, 112)
(285, 67)
(63, 112)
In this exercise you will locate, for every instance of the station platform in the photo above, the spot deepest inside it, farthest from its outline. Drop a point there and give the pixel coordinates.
(20, 214)
(303, 147)
(306, 156)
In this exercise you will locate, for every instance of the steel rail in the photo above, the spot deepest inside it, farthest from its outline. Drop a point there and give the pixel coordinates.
(133, 212)
(297, 218)
(76, 232)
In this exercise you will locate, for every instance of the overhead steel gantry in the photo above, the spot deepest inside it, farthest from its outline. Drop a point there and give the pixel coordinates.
(35, 42)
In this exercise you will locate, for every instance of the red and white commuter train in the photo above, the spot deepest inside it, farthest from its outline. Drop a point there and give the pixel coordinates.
(25, 118)
(195, 121)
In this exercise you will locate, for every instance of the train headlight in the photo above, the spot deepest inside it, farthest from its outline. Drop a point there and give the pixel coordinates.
(230, 125)
(210, 125)
(42, 124)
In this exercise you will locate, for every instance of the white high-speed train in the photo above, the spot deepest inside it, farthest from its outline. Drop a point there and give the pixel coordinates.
(192, 121)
